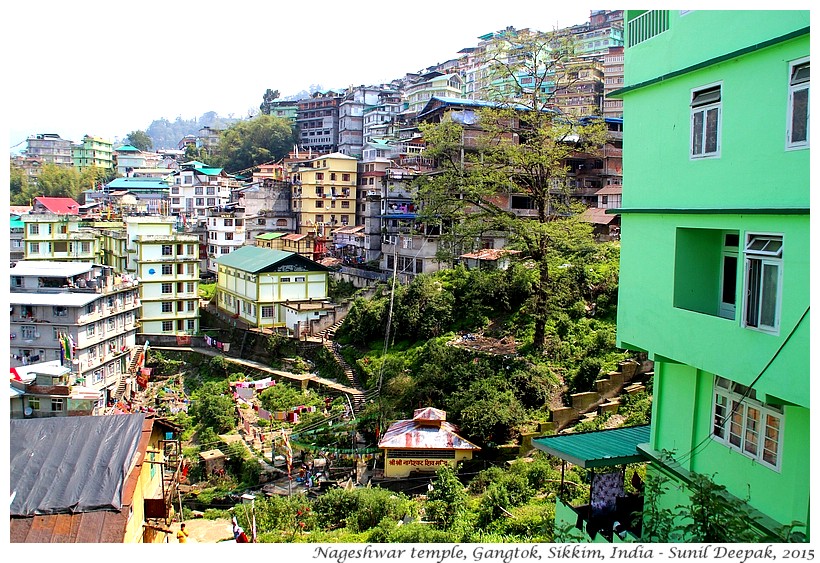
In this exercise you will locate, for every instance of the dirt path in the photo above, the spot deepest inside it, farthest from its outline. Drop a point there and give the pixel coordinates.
(201, 530)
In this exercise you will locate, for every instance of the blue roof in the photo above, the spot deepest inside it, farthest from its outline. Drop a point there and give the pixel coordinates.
(137, 183)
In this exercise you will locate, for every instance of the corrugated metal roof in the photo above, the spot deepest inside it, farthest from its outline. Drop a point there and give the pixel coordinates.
(71, 464)
(600, 448)
(414, 435)
(255, 259)
(270, 236)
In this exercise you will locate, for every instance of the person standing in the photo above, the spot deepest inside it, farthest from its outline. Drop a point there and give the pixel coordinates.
(182, 534)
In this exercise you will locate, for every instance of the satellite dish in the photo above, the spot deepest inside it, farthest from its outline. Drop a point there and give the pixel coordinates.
(28, 411)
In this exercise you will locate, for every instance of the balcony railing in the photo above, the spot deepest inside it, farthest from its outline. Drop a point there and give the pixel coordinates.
(646, 26)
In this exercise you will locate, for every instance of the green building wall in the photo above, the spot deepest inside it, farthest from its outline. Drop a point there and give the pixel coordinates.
(675, 212)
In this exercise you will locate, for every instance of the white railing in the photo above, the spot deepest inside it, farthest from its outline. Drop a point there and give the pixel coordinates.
(646, 26)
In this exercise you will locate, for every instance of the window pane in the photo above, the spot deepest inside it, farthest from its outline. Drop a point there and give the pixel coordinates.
(800, 115)
(720, 416)
(697, 132)
(736, 426)
(711, 130)
(752, 430)
(768, 295)
(753, 292)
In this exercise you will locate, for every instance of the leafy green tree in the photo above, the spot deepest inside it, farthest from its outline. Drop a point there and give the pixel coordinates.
(214, 408)
(267, 101)
(447, 499)
(521, 146)
(425, 309)
(139, 140)
(59, 181)
(249, 143)
(19, 188)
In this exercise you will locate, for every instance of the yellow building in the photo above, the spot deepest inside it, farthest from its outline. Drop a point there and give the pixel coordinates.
(424, 443)
(324, 193)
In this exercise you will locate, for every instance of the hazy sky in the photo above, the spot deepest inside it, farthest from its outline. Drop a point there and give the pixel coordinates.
(108, 68)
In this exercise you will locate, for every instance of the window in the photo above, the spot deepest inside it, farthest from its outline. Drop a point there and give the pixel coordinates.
(34, 403)
(320, 176)
(56, 405)
(267, 311)
(299, 279)
(706, 122)
(167, 288)
(284, 280)
(228, 236)
(167, 250)
(200, 201)
(798, 124)
(345, 177)
(198, 190)
(190, 249)
(764, 258)
(191, 324)
(59, 311)
(743, 423)
(189, 287)
(89, 330)
(28, 332)
(210, 201)
(167, 269)
(167, 307)
(211, 190)
(175, 191)
(58, 331)
(34, 229)
(85, 247)
(319, 203)
(34, 248)
(190, 305)
(229, 222)
(167, 326)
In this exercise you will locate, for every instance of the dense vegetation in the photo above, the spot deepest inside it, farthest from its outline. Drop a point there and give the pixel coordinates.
(493, 393)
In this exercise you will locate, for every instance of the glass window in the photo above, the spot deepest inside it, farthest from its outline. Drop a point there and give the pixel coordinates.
(745, 424)
(763, 275)
(706, 122)
(798, 125)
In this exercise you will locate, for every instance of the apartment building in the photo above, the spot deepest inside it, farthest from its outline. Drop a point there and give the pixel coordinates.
(195, 187)
(317, 118)
(93, 152)
(226, 232)
(53, 236)
(81, 314)
(324, 193)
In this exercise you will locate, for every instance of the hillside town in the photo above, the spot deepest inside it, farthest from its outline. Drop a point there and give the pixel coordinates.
(233, 342)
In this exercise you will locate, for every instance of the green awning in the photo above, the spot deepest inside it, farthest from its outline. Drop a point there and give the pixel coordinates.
(600, 448)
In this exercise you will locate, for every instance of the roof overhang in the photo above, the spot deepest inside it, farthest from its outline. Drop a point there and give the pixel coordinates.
(600, 448)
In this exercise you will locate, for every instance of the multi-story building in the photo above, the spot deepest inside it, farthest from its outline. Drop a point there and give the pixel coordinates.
(49, 148)
(271, 288)
(195, 187)
(46, 389)
(324, 193)
(52, 236)
(724, 308)
(147, 195)
(351, 117)
(429, 85)
(267, 201)
(318, 121)
(579, 89)
(226, 232)
(93, 152)
(130, 158)
(604, 29)
(380, 120)
(81, 314)
(167, 266)
(613, 80)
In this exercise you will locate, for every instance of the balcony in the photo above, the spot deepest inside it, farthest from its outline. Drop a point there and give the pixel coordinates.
(646, 26)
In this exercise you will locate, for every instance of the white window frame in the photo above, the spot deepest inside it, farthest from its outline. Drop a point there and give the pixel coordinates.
(167, 326)
(770, 256)
(705, 108)
(734, 426)
(793, 88)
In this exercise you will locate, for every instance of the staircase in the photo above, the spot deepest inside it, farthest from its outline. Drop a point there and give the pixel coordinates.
(331, 346)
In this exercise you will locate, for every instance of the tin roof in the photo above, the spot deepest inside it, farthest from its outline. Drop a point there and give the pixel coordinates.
(255, 259)
(64, 205)
(420, 434)
(600, 448)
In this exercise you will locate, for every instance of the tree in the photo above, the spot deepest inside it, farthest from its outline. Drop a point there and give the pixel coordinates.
(249, 143)
(139, 140)
(519, 145)
(267, 101)
(214, 408)
(59, 181)
(19, 189)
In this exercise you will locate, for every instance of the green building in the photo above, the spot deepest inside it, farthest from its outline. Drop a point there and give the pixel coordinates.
(714, 274)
